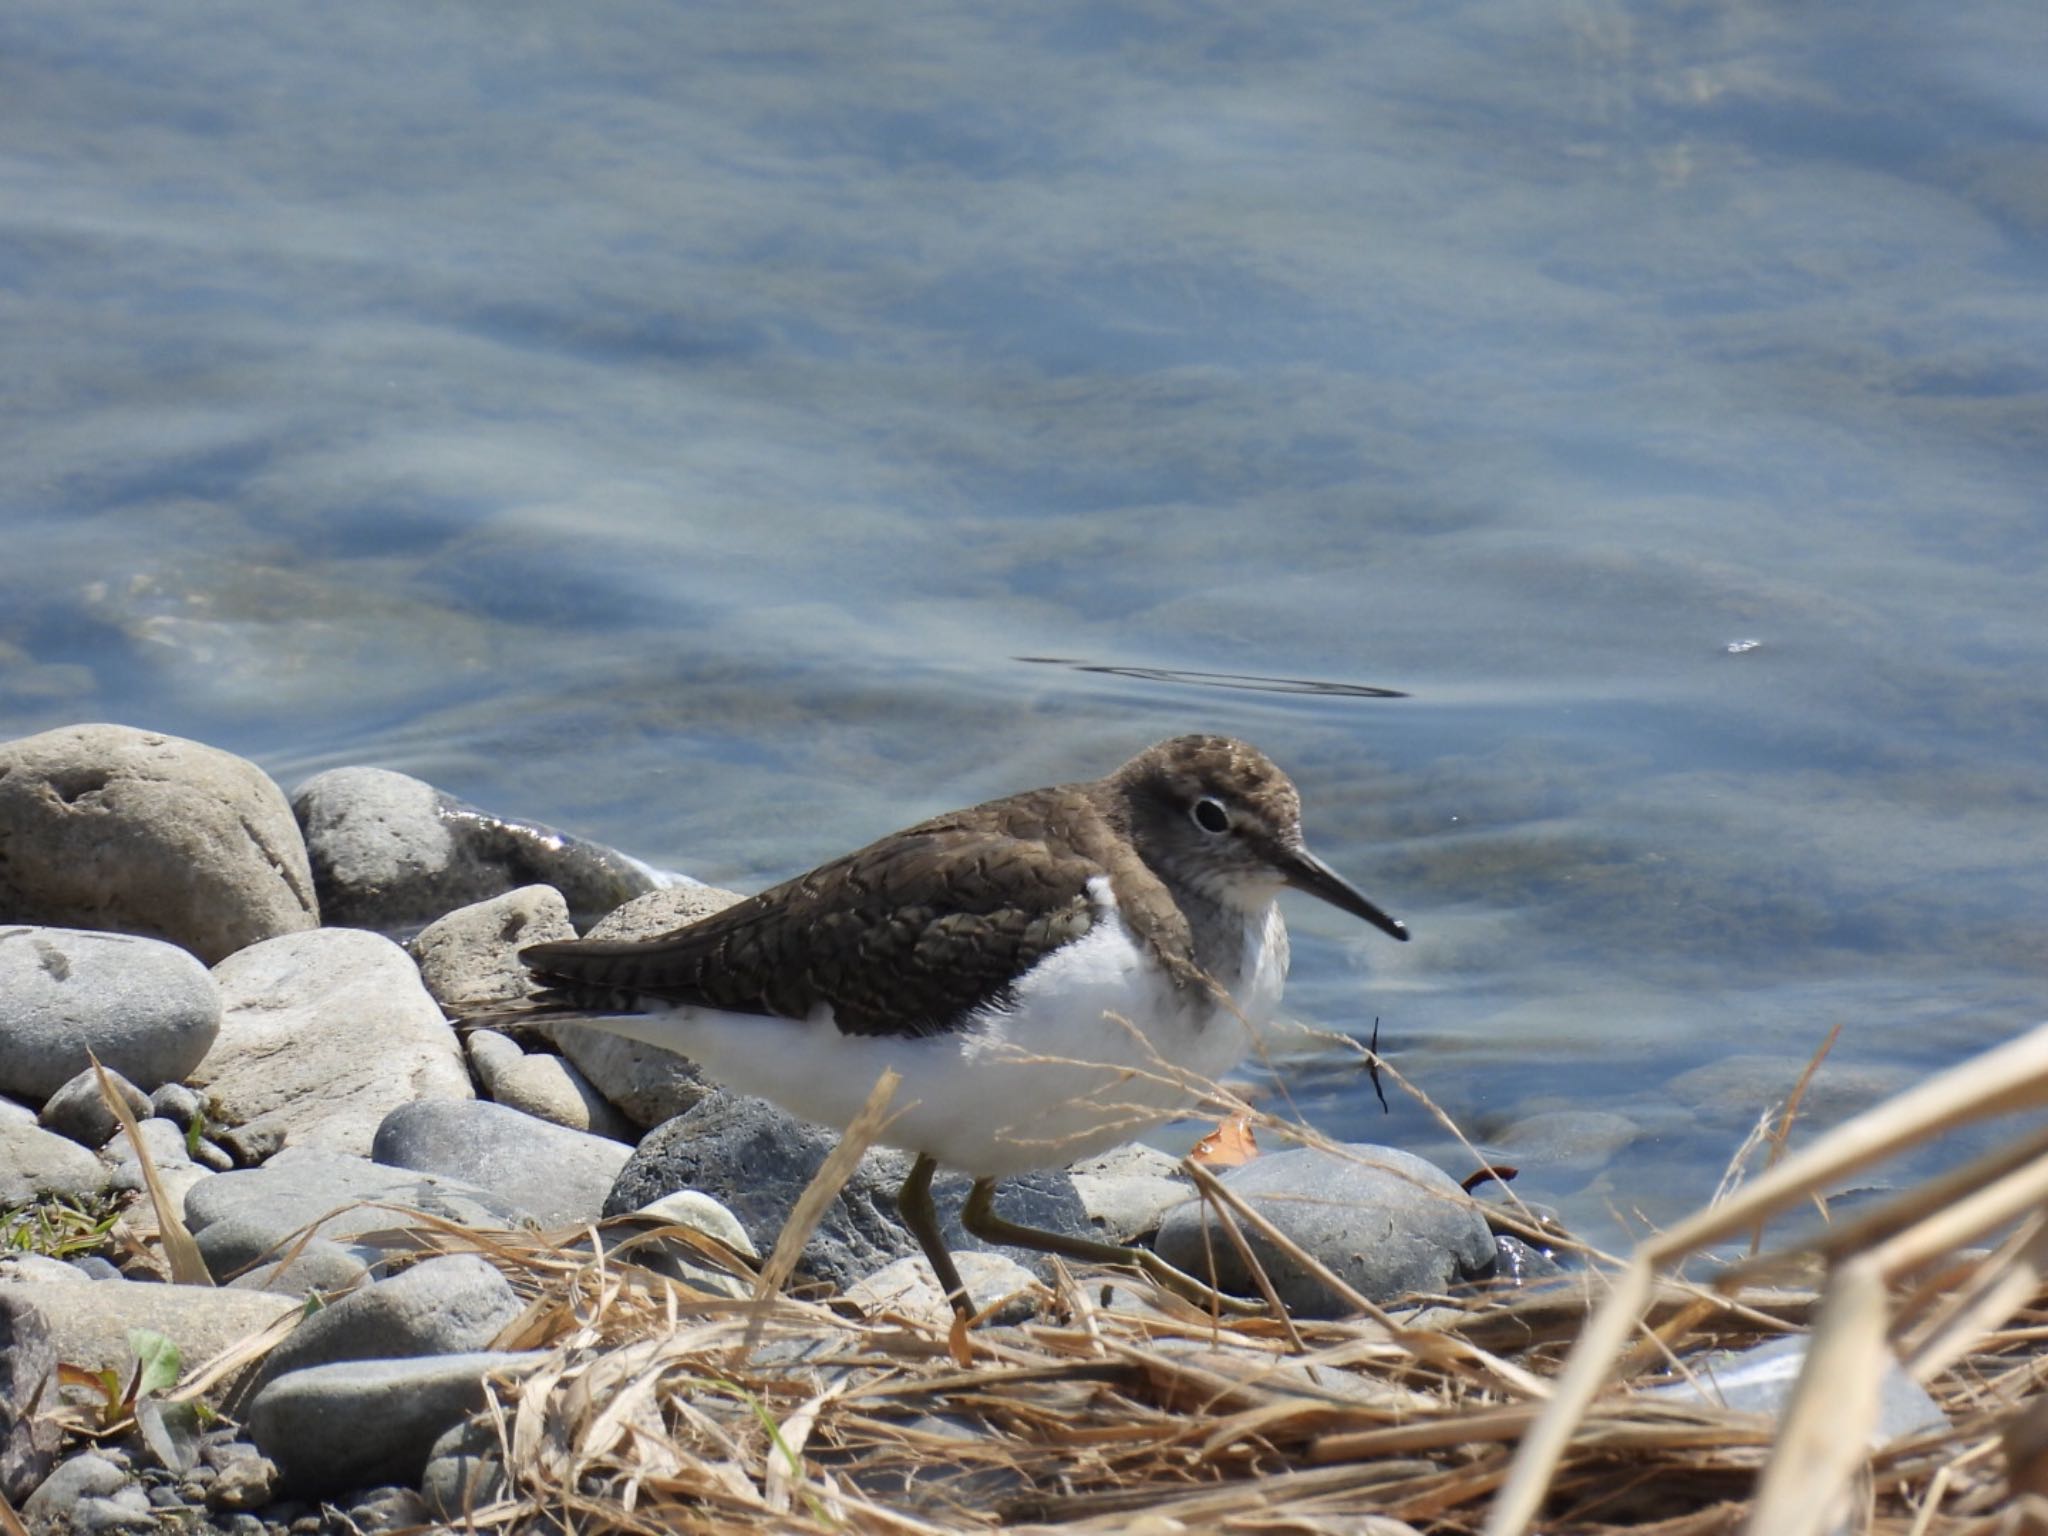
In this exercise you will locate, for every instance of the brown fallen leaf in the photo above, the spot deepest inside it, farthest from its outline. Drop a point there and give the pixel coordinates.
(1229, 1145)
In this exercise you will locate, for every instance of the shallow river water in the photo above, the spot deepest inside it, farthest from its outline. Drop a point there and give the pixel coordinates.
(1598, 449)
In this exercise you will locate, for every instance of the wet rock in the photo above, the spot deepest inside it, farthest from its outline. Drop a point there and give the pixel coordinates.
(89, 1319)
(322, 1035)
(545, 1087)
(394, 1409)
(392, 852)
(442, 1306)
(1385, 1221)
(558, 1174)
(755, 1160)
(907, 1288)
(105, 826)
(1566, 1139)
(1517, 1262)
(1128, 1190)
(79, 1110)
(471, 957)
(147, 1009)
(35, 1162)
(1732, 1091)
(244, 1218)
(649, 1086)
(28, 1361)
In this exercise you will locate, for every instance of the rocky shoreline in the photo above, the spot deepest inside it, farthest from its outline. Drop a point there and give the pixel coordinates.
(234, 958)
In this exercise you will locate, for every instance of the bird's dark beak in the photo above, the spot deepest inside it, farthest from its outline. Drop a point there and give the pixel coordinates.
(1305, 872)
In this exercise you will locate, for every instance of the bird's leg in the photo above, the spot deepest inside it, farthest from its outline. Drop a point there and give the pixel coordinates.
(979, 1217)
(914, 1205)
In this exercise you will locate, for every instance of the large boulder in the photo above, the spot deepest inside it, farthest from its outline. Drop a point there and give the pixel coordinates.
(106, 826)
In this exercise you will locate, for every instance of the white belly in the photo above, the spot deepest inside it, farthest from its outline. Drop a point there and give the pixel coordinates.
(1096, 1046)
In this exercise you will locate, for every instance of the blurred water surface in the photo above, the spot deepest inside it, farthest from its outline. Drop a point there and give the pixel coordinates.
(733, 431)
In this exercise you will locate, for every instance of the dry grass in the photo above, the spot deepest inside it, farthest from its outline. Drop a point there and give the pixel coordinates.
(1123, 1409)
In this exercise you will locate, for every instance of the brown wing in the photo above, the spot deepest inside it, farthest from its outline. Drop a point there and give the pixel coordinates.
(907, 937)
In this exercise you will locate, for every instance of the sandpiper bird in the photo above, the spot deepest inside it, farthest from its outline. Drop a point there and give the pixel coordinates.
(1047, 972)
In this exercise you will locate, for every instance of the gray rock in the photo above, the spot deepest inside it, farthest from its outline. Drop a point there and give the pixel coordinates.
(28, 1391)
(176, 1171)
(1128, 1190)
(388, 1509)
(442, 1306)
(126, 1510)
(79, 1110)
(470, 958)
(558, 1174)
(908, 1288)
(650, 1086)
(755, 1160)
(36, 1266)
(176, 1182)
(1572, 1139)
(1517, 1262)
(1760, 1379)
(105, 826)
(93, 1267)
(1385, 1221)
(247, 1479)
(244, 1218)
(85, 1476)
(363, 1422)
(314, 1265)
(640, 1244)
(89, 1320)
(1733, 1090)
(465, 1471)
(322, 1035)
(164, 1142)
(545, 1087)
(147, 1009)
(183, 1107)
(392, 852)
(35, 1162)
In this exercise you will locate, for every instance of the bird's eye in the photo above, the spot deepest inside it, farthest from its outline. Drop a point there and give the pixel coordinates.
(1210, 816)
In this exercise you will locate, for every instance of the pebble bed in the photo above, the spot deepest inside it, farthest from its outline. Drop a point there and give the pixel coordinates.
(270, 983)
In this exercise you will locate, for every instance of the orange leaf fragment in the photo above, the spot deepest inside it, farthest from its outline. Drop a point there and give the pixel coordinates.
(1229, 1145)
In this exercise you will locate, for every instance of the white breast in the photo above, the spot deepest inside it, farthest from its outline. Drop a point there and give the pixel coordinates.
(1095, 1045)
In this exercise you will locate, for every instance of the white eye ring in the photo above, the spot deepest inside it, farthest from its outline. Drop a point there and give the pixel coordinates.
(1210, 816)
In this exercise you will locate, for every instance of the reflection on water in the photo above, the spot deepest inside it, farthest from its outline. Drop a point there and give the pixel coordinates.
(1240, 680)
(674, 423)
